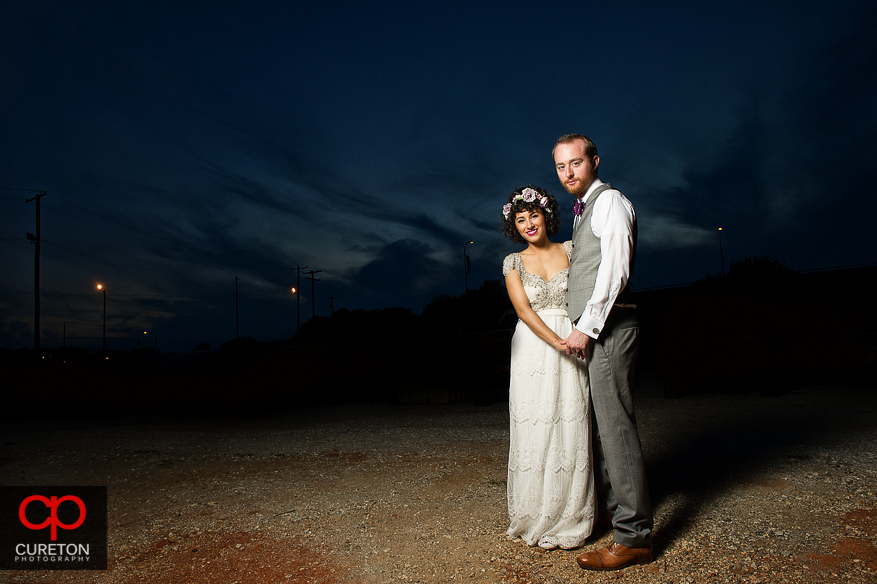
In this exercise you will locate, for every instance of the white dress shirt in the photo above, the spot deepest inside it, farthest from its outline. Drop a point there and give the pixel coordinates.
(612, 220)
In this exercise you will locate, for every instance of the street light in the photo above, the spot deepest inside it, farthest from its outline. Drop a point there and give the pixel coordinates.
(721, 253)
(295, 290)
(156, 340)
(104, 290)
(467, 265)
(295, 293)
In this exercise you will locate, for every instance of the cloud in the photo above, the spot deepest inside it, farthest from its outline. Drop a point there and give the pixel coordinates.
(404, 273)
(663, 233)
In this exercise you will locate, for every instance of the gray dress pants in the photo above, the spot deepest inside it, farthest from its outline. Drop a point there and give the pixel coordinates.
(619, 470)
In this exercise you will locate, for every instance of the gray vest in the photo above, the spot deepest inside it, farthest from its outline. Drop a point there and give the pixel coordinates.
(586, 258)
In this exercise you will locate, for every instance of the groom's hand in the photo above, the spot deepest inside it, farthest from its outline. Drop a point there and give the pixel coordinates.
(577, 344)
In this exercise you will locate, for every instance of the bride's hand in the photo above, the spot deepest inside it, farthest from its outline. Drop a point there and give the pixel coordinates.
(577, 344)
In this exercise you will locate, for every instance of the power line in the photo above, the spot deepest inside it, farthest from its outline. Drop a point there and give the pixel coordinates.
(124, 263)
(103, 259)
(115, 294)
(172, 242)
(22, 190)
(265, 303)
(177, 244)
(120, 232)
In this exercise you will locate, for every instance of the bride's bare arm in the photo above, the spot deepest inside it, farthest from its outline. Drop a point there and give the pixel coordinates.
(526, 313)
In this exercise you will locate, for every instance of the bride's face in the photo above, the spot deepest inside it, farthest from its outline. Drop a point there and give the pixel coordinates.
(531, 225)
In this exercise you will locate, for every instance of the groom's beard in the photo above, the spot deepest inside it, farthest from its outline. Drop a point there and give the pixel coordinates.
(577, 190)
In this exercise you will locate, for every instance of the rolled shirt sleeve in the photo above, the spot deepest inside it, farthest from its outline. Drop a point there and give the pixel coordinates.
(612, 220)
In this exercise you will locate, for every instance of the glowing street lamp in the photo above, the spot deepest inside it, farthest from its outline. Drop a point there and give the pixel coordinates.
(296, 291)
(104, 290)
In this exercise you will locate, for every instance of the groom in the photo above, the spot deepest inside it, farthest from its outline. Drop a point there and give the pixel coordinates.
(605, 333)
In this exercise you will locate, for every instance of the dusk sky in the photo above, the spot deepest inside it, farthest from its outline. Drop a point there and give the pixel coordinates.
(183, 144)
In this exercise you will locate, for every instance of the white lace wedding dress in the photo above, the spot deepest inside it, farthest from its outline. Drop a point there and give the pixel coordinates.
(550, 481)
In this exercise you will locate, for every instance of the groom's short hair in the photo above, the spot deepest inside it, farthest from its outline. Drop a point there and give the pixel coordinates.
(590, 147)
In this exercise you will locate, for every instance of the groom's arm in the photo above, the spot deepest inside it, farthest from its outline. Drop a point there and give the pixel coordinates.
(612, 221)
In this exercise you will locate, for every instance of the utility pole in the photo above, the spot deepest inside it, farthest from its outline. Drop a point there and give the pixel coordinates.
(332, 304)
(298, 270)
(103, 289)
(237, 333)
(313, 279)
(36, 285)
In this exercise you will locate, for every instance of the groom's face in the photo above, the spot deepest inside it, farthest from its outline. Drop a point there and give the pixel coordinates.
(574, 169)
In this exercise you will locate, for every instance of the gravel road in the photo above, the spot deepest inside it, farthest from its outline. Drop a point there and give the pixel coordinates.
(747, 489)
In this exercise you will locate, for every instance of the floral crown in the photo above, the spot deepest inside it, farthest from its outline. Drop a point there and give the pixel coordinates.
(528, 195)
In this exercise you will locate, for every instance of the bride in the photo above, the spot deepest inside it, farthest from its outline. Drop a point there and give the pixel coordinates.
(550, 482)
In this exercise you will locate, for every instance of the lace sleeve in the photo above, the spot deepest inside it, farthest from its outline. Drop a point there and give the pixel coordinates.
(509, 263)
(567, 245)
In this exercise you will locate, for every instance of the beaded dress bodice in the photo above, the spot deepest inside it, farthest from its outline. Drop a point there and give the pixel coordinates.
(543, 294)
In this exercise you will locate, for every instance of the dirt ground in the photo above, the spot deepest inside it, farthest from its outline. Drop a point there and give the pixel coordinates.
(747, 489)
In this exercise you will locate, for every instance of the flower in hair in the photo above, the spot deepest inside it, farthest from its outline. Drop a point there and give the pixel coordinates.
(527, 195)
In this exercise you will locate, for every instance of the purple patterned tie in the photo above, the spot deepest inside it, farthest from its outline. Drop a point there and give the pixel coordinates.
(578, 207)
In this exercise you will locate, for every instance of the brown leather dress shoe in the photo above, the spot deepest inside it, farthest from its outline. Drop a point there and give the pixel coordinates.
(615, 557)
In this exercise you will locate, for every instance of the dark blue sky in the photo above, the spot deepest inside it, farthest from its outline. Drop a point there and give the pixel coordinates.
(184, 144)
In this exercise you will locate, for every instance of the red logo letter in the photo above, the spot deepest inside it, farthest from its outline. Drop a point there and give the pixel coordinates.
(53, 516)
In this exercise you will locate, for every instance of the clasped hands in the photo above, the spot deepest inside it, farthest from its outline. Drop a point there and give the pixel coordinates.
(577, 344)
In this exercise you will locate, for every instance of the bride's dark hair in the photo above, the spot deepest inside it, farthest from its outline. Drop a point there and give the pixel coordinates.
(529, 198)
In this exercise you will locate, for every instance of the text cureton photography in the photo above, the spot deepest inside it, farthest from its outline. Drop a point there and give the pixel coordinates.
(53, 528)
(52, 552)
